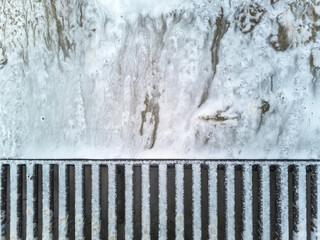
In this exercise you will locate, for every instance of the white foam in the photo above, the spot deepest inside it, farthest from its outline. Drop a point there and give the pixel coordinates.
(230, 196)
(247, 183)
(179, 202)
(63, 218)
(96, 227)
(196, 193)
(129, 202)
(213, 201)
(46, 212)
(79, 222)
(13, 201)
(163, 201)
(112, 218)
(145, 204)
(284, 202)
(265, 202)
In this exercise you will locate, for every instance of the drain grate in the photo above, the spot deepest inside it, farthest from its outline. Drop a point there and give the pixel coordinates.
(159, 199)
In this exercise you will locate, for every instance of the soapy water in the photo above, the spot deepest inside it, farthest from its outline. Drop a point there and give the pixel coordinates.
(159, 79)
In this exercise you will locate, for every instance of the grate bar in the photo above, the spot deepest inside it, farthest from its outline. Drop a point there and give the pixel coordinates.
(196, 191)
(79, 216)
(62, 195)
(179, 197)
(230, 202)
(283, 195)
(265, 202)
(46, 213)
(95, 202)
(154, 202)
(112, 218)
(129, 202)
(159, 200)
(213, 199)
(162, 202)
(301, 231)
(247, 182)
(13, 182)
(145, 211)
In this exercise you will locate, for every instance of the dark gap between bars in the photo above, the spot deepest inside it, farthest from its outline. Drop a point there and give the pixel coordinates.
(70, 185)
(120, 201)
(137, 228)
(171, 202)
(188, 204)
(104, 203)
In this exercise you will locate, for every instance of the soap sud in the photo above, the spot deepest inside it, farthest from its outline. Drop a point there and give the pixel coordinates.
(91, 101)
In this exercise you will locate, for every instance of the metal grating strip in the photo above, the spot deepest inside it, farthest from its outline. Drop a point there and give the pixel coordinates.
(213, 199)
(95, 202)
(230, 220)
(284, 199)
(145, 212)
(162, 202)
(112, 218)
(129, 202)
(154, 201)
(159, 200)
(179, 195)
(265, 202)
(46, 213)
(247, 222)
(62, 195)
(79, 217)
(196, 191)
(13, 200)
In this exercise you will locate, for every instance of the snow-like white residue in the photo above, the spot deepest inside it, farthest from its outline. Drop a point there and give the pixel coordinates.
(159, 79)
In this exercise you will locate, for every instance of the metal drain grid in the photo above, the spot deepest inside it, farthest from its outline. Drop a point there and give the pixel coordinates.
(159, 199)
